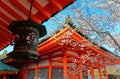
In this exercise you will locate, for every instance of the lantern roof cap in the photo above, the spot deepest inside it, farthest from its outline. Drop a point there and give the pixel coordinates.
(27, 23)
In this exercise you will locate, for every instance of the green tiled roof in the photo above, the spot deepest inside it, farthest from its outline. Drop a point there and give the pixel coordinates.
(5, 67)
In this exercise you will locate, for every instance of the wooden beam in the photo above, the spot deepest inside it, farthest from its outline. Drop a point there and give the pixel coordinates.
(48, 46)
(41, 51)
(3, 23)
(20, 7)
(4, 35)
(41, 9)
(61, 60)
(24, 10)
(4, 41)
(58, 55)
(72, 56)
(57, 4)
(2, 47)
(8, 60)
(3, 44)
(117, 61)
(5, 29)
(7, 19)
(58, 60)
(46, 66)
(9, 10)
(54, 66)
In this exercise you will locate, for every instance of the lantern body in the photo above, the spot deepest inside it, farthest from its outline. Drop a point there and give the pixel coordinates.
(26, 41)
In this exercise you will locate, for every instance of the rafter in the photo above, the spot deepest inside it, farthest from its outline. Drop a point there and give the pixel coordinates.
(9, 10)
(4, 44)
(5, 17)
(3, 34)
(1, 47)
(41, 9)
(24, 10)
(3, 23)
(57, 4)
(72, 56)
(20, 7)
(52, 49)
(4, 41)
(5, 30)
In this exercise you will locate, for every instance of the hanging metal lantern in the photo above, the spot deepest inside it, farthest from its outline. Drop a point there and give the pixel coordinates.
(26, 42)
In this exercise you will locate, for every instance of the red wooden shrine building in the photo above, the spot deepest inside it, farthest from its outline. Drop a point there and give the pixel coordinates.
(65, 55)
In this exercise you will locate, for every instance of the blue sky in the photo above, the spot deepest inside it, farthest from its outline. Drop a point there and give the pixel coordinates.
(52, 23)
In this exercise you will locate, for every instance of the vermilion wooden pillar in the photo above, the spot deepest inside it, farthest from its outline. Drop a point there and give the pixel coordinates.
(81, 71)
(100, 72)
(24, 74)
(106, 73)
(65, 63)
(36, 72)
(50, 68)
(4, 77)
(92, 72)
